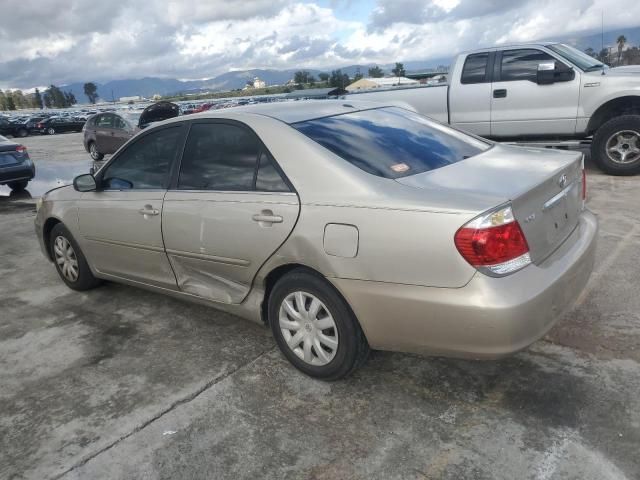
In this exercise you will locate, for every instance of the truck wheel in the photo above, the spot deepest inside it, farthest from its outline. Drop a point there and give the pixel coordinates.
(93, 151)
(616, 146)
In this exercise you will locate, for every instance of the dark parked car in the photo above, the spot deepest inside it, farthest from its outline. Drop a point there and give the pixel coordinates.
(53, 125)
(20, 128)
(16, 168)
(105, 133)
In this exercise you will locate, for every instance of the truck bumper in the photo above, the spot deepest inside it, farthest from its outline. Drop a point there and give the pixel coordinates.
(487, 318)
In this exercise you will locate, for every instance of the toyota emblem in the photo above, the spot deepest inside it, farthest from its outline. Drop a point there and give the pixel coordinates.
(562, 181)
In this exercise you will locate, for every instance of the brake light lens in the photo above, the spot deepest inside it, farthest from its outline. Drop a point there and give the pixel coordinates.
(39, 125)
(21, 149)
(494, 243)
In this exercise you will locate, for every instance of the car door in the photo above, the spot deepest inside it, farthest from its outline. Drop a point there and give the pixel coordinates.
(121, 132)
(121, 222)
(470, 105)
(230, 209)
(105, 133)
(520, 107)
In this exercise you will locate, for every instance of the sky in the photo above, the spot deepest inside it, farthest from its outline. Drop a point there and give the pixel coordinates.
(63, 41)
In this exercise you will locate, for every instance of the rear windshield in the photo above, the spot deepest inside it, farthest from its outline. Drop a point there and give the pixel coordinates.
(391, 142)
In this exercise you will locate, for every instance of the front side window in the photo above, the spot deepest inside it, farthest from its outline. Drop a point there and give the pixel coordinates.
(144, 164)
(219, 156)
(391, 142)
(522, 64)
(119, 123)
(475, 69)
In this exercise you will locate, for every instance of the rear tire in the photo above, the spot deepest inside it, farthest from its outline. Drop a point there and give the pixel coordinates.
(94, 153)
(23, 132)
(51, 131)
(616, 146)
(326, 341)
(69, 260)
(18, 186)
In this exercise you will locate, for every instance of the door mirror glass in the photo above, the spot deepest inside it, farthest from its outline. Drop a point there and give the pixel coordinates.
(84, 183)
(552, 72)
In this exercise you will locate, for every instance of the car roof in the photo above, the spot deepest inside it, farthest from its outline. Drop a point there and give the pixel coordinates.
(291, 111)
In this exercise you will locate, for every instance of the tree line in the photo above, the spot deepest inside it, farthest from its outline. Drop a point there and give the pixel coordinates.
(339, 79)
(617, 55)
(52, 97)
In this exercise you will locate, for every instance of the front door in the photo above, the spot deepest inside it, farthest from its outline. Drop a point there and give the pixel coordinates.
(121, 223)
(230, 211)
(103, 131)
(520, 107)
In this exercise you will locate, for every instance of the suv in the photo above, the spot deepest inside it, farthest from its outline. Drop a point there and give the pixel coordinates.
(105, 133)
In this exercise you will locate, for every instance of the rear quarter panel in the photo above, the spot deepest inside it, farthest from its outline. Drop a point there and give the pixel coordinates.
(395, 246)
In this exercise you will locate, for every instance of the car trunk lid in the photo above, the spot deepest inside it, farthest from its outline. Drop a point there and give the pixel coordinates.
(157, 112)
(11, 154)
(543, 186)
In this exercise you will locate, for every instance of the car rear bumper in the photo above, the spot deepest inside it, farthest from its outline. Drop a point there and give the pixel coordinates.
(22, 171)
(487, 318)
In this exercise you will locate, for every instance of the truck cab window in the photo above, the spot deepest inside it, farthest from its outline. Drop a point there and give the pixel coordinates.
(475, 69)
(522, 64)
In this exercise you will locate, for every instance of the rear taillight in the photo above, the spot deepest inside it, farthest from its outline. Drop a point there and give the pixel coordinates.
(494, 243)
(21, 149)
(39, 125)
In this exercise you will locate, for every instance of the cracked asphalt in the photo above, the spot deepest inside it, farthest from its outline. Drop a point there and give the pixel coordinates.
(122, 383)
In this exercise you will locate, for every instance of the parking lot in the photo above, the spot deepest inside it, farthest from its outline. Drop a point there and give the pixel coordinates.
(122, 383)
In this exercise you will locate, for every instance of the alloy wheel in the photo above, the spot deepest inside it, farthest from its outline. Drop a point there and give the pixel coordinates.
(624, 147)
(308, 328)
(66, 258)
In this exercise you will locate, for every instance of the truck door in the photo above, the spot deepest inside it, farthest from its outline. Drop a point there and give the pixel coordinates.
(470, 95)
(520, 107)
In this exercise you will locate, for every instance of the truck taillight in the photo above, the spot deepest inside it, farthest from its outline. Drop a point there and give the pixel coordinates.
(494, 243)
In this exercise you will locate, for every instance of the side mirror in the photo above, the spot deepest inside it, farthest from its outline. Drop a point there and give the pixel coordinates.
(546, 73)
(85, 183)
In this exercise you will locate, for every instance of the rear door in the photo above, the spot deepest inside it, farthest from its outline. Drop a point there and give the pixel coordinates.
(122, 223)
(470, 95)
(520, 107)
(230, 209)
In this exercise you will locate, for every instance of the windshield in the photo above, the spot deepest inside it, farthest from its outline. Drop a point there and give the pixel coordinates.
(391, 142)
(578, 58)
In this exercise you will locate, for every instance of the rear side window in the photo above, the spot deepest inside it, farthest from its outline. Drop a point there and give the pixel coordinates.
(219, 156)
(268, 178)
(391, 142)
(475, 69)
(522, 64)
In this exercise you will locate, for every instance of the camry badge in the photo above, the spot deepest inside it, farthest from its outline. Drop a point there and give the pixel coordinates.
(562, 181)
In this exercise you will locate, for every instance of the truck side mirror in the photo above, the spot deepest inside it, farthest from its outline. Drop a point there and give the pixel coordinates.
(546, 73)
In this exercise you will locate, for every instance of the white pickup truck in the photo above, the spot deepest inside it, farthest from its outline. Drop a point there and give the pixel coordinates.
(549, 94)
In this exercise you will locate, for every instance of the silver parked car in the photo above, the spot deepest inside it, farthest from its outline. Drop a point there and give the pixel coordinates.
(343, 227)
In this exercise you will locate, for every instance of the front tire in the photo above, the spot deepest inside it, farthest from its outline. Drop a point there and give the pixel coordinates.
(314, 326)
(93, 152)
(616, 146)
(18, 186)
(69, 260)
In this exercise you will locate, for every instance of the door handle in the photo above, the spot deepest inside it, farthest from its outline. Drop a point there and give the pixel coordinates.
(148, 210)
(266, 216)
(500, 93)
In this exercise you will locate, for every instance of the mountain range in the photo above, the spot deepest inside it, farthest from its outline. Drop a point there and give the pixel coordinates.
(149, 86)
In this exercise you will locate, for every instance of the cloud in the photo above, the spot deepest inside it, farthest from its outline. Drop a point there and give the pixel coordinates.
(61, 41)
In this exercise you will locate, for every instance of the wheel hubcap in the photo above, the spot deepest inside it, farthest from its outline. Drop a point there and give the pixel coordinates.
(308, 328)
(624, 147)
(66, 258)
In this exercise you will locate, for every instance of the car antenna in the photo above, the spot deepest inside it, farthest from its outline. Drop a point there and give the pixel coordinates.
(602, 38)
